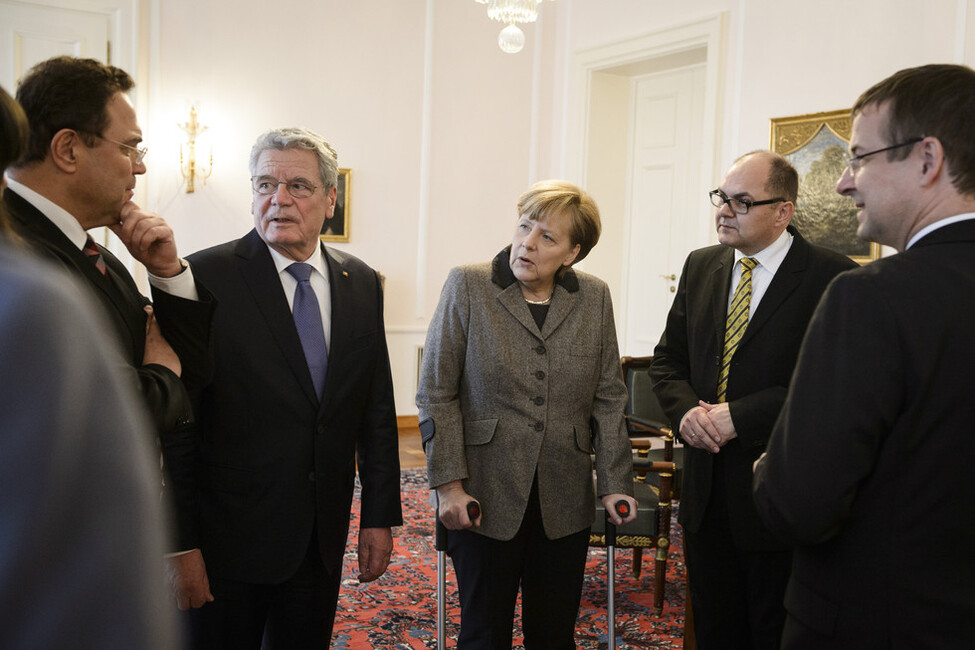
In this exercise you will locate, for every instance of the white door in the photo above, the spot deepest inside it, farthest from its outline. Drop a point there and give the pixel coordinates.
(30, 33)
(665, 194)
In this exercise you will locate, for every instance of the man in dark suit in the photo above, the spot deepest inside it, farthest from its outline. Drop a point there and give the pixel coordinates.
(721, 371)
(301, 397)
(869, 467)
(79, 173)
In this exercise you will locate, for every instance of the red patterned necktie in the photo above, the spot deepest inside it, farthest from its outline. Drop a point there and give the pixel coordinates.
(94, 255)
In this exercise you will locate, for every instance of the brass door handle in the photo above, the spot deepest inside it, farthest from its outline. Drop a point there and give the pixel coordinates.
(672, 278)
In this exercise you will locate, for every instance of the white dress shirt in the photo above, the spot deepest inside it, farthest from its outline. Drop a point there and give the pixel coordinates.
(769, 261)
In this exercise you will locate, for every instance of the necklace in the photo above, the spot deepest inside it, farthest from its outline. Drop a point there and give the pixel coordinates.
(540, 302)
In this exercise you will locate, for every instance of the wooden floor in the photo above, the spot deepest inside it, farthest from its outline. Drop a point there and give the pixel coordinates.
(410, 449)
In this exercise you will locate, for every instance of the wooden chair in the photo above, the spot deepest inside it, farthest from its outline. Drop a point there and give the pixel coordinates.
(653, 489)
(645, 419)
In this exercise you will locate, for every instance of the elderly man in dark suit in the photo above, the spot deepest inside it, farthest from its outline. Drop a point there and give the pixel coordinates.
(301, 397)
(79, 173)
(721, 371)
(869, 466)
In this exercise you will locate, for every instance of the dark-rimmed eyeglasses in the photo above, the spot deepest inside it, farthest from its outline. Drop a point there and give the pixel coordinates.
(136, 154)
(738, 206)
(855, 162)
(297, 187)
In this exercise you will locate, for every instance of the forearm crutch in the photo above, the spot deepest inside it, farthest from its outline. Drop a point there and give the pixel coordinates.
(623, 510)
(440, 543)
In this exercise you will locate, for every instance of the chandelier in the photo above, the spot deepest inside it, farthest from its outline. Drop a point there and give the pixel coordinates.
(511, 39)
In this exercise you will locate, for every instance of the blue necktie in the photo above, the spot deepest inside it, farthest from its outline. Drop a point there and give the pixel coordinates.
(308, 321)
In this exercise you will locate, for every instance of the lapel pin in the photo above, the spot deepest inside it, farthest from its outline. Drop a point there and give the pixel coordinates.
(345, 273)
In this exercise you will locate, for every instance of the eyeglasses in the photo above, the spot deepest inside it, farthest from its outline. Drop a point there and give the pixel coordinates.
(298, 187)
(136, 154)
(855, 162)
(738, 206)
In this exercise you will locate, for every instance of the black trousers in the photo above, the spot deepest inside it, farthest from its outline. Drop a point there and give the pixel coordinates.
(297, 614)
(737, 594)
(489, 572)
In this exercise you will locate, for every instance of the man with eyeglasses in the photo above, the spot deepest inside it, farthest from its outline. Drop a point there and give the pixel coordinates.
(301, 401)
(869, 469)
(721, 371)
(79, 173)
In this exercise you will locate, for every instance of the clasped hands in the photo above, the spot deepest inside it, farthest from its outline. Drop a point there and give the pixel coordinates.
(708, 426)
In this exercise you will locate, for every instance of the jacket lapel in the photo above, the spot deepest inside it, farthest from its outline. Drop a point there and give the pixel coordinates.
(261, 277)
(342, 317)
(786, 280)
(117, 293)
(719, 286)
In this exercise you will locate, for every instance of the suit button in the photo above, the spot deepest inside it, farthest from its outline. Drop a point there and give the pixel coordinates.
(539, 426)
(311, 476)
(540, 375)
(539, 401)
(540, 349)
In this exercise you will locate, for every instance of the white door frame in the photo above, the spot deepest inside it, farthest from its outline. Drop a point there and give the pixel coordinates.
(707, 34)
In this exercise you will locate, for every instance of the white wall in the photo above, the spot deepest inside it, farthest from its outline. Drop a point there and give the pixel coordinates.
(355, 72)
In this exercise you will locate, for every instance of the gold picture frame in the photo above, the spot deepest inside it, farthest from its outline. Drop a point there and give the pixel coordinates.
(336, 229)
(816, 144)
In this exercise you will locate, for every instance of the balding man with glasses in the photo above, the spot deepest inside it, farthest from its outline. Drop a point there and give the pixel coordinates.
(721, 371)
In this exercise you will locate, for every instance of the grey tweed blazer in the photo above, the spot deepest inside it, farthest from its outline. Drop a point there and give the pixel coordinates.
(500, 400)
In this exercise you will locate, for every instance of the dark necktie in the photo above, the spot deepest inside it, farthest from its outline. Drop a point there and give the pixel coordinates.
(308, 321)
(737, 322)
(94, 255)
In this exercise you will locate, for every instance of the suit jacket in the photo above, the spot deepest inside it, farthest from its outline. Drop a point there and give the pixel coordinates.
(500, 400)
(869, 469)
(687, 359)
(273, 462)
(184, 323)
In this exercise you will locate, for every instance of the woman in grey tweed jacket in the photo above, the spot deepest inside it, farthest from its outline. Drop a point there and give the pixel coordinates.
(520, 384)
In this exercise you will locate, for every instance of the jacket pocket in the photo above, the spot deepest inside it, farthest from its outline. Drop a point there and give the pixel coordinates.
(583, 437)
(479, 432)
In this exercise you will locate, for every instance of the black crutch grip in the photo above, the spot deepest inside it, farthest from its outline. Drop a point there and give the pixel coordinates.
(622, 509)
(440, 541)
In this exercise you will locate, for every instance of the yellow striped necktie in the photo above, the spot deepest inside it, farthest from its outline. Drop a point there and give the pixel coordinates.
(736, 323)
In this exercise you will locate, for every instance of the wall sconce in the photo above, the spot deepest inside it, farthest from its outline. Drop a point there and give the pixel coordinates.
(188, 167)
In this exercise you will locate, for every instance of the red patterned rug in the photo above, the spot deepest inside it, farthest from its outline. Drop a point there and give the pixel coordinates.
(399, 610)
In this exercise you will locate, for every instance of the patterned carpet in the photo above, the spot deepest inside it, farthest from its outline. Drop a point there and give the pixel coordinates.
(399, 609)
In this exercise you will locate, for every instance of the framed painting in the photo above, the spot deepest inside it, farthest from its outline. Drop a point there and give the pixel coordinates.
(337, 228)
(816, 144)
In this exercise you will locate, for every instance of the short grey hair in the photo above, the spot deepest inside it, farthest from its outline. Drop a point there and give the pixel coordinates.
(299, 138)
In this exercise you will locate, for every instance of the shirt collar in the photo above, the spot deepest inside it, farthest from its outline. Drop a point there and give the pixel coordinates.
(60, 217)
(770, 258)
(316, 260)
(930, 228)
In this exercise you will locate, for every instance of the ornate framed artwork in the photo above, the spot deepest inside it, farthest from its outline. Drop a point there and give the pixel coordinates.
(337, 228)
(816, 144)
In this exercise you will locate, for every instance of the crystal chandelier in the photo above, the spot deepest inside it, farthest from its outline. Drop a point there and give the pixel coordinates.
(511, 39)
